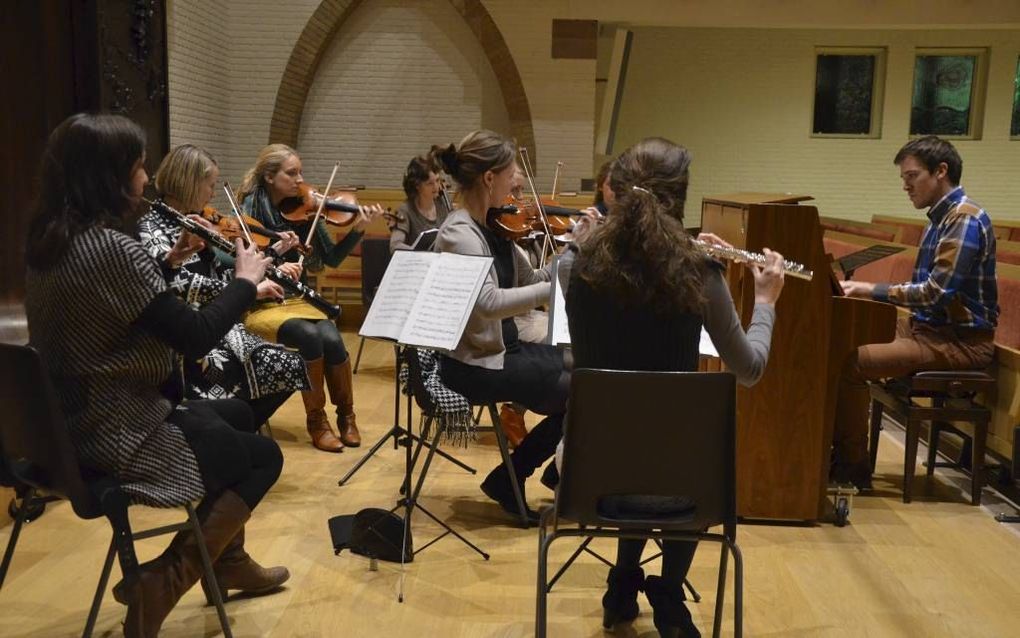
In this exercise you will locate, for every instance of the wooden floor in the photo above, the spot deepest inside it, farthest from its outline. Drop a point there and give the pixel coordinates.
(937, 567)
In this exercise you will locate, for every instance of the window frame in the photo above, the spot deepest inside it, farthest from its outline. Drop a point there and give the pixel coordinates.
(877, 90)
(1016, 98)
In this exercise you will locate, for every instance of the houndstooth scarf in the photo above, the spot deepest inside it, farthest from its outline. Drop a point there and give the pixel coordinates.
(449, 410)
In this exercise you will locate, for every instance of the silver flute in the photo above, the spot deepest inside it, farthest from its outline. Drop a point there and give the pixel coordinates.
(791, 268)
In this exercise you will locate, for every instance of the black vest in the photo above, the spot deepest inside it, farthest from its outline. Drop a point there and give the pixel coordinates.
(607, 334)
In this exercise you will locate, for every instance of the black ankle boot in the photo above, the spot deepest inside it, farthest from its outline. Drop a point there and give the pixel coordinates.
(671, 616)
(497, 486)
(551, 476)
(619, 603)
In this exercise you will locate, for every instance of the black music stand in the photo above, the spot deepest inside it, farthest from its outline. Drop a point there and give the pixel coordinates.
(849, 263)
(397, 431)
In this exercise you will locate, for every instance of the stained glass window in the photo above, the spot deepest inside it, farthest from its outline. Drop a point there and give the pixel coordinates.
(1014, 127)
(945, 90)
(844, 94)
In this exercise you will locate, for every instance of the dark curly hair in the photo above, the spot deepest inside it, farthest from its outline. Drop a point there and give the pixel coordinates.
(86, 169)
(417, 173)
(642, 254)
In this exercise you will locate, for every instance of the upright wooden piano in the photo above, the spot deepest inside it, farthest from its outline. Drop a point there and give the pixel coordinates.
(784, 422)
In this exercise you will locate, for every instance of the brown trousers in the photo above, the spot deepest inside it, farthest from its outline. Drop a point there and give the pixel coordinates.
(917, 347)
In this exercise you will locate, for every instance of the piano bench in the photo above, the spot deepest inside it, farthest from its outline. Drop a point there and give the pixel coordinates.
(952, 394)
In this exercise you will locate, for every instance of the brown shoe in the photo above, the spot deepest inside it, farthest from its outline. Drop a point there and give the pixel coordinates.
(513, 424)
(340, 381)
(166, 579)
(235, 569)
(316, 420)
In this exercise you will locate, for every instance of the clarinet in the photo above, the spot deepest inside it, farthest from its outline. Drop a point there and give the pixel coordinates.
(791, 268)
(273, 273)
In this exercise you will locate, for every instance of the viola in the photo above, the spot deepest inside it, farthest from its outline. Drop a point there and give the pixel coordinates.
(230, 228)
(302, 208)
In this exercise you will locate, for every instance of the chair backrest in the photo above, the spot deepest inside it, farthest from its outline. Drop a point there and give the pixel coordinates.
(649, 434)
(33, 436)
(375, 257)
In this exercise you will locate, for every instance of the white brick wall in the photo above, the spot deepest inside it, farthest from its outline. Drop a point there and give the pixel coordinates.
(396, 79)
(199, 106)
(400, 77)
(741, 100)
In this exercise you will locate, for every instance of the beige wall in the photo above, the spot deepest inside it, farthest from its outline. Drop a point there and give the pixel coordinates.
(741, 100)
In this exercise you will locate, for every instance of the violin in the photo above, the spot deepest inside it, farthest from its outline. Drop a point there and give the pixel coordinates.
(230, 228)
(512, 222)
(302, 208)
(273, 273)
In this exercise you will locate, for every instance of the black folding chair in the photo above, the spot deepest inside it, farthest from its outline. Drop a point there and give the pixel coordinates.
(39, 456)
(677, 454)
(375, 257)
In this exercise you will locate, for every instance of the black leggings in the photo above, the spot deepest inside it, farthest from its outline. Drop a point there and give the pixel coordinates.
(534, 375)
(677, 557)
(229, 456)
(264, 407)
(313, 339)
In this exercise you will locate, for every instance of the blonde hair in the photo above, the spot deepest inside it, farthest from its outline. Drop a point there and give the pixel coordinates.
(269, 161)
(181, 172)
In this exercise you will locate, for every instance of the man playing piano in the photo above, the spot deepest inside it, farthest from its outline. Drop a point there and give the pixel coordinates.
(952, 297)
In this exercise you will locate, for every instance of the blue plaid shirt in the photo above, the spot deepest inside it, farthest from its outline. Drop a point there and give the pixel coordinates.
(954, 277)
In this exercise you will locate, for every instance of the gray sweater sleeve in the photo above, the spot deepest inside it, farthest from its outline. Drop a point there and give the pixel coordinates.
(745, 354)
(493, 302)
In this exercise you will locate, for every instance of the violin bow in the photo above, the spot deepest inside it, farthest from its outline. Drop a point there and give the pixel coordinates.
(556, 180)
(318, 212)
(538, 203)
(237, 213)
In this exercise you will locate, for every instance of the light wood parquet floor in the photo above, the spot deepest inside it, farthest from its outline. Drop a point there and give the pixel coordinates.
(937, 567)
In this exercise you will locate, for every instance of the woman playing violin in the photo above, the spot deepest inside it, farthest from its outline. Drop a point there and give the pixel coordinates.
(491, 364)
(242, 364)
(277, 176)
(424, 208)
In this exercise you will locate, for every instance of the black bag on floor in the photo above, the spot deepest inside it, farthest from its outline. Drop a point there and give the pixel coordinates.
(372, 532)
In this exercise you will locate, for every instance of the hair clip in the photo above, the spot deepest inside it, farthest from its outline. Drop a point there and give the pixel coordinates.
(642, 190)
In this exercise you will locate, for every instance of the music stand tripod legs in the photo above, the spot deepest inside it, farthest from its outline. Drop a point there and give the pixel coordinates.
(397, 431)
(410, 500)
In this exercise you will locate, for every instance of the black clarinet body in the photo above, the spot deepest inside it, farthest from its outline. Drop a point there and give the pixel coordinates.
(272, 273)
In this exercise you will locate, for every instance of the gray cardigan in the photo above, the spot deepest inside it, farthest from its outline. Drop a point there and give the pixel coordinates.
(482, 342)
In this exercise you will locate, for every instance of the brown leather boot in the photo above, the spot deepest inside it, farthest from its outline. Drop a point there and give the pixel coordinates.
(315, 415)
(513, 424)
(340, 381)
(235, 569)
(162, 583)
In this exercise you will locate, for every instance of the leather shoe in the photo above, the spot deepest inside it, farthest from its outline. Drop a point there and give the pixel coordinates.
(497, 487)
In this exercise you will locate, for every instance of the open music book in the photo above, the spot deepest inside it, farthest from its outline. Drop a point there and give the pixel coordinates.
(425, 298)
(559, 330)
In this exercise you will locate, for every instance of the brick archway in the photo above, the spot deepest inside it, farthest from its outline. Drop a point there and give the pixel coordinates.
(323, 25)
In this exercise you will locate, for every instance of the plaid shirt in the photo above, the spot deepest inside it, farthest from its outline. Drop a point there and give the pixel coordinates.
(954, 277)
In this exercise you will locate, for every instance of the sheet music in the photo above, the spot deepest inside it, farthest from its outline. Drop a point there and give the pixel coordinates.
(445, 301)
(397, 293)
(705, 346)
(559, 327)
